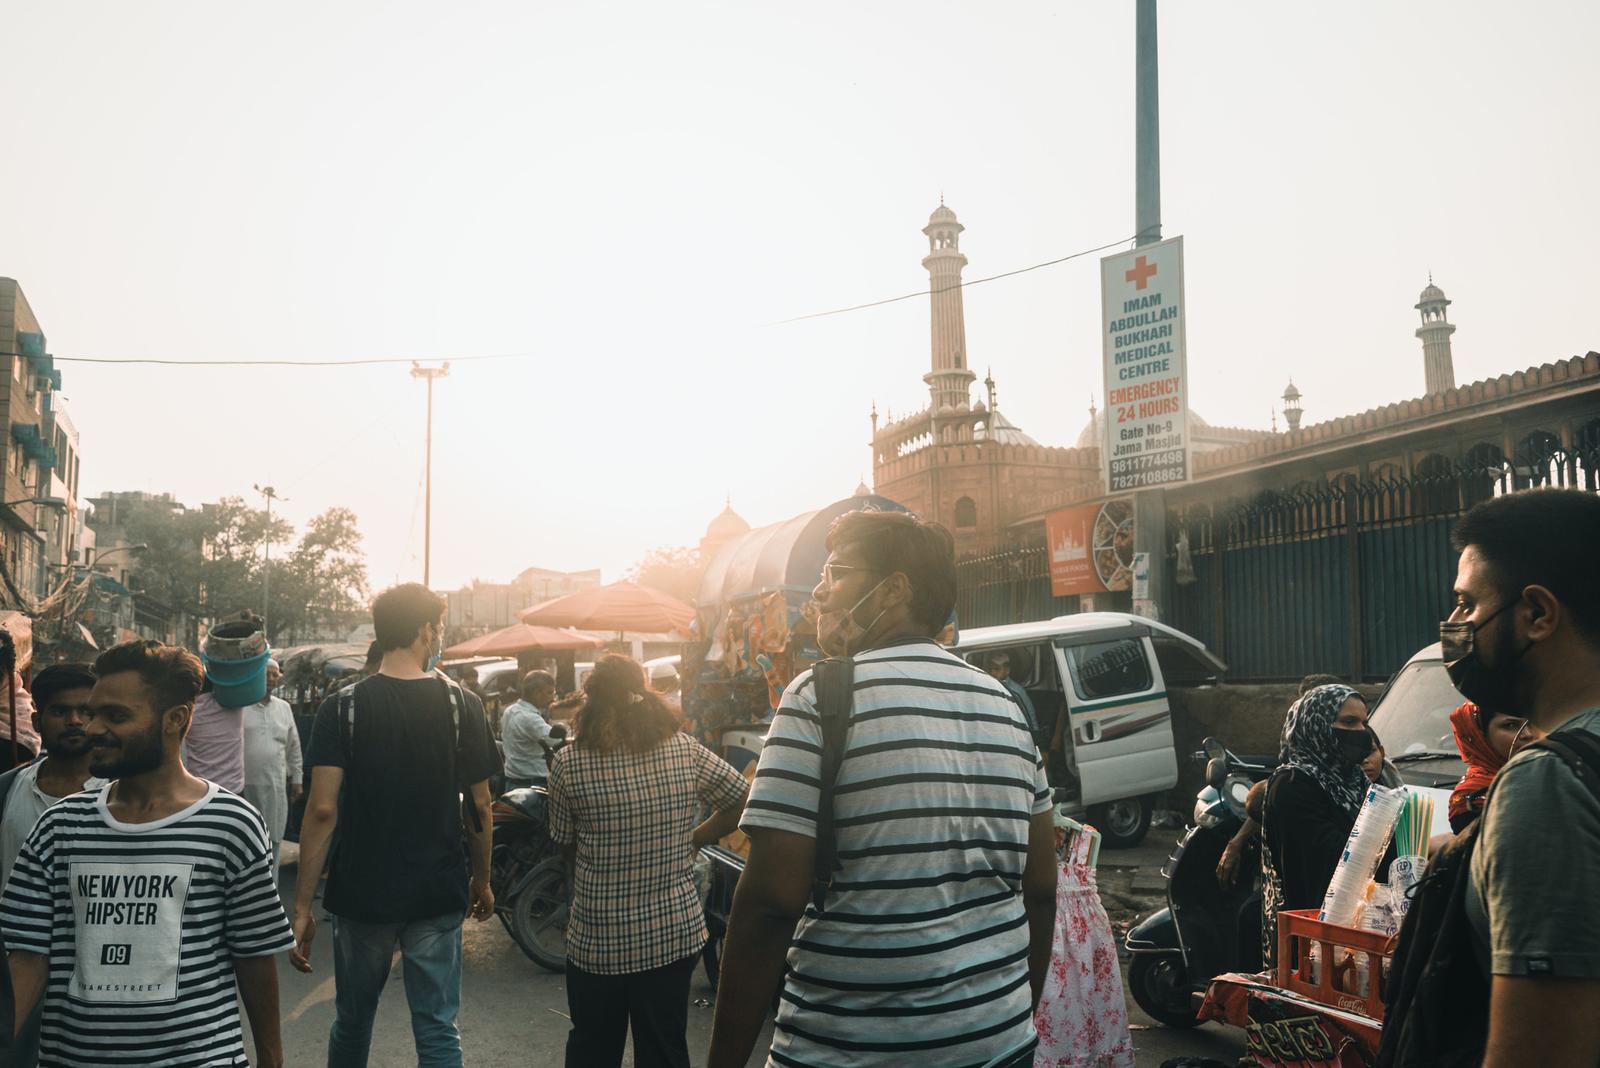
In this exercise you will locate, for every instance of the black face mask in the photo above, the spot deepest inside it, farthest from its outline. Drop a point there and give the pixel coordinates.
(1493, 689)
(1352, 746)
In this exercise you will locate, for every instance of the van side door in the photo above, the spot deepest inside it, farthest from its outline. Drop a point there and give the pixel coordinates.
(1118, 712)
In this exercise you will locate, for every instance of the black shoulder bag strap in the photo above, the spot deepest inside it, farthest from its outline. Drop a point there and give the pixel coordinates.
(834, 681)
(1581, 751)
(458, 701)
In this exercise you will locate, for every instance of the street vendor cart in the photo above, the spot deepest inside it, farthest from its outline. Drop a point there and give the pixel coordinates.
(1306, 1013)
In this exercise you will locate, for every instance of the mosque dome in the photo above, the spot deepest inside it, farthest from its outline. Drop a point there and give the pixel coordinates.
(941, 214)
(728, 525)
(1432, 295)
(1004, 431)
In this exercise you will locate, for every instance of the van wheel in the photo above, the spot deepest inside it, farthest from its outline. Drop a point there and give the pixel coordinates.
(1122, 824)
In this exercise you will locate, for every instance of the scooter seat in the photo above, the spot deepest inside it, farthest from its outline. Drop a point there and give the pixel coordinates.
(531, 801)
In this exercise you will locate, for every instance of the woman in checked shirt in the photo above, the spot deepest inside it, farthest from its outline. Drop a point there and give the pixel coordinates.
(625, 803)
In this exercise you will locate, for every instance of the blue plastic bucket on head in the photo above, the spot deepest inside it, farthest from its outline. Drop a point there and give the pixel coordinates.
(238, 683)
(235, 656)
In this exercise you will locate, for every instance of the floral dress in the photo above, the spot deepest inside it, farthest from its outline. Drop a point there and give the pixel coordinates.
(1082, 1017)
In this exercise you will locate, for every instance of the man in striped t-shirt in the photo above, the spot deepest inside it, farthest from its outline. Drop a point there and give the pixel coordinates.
(136, 911)
(934, 935)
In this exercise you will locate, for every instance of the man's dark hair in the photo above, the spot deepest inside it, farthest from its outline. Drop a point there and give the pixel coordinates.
(172, 675)
(1311, 682)
(535, 679)
(57, 677)
(374, 657)
(400, 612)
(1542, 537)
(898, 541)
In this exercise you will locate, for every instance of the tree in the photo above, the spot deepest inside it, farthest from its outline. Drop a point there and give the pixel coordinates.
(671, 570)
(211, 561)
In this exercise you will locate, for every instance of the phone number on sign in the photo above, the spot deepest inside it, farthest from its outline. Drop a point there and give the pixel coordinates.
(1153, 470)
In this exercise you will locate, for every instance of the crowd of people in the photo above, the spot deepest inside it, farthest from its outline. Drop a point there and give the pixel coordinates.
(900, 894)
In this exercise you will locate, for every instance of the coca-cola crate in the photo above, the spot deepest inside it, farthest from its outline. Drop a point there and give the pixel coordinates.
(1348, 971)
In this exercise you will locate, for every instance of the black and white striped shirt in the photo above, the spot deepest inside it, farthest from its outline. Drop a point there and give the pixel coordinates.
(141, 923)
(921, 954)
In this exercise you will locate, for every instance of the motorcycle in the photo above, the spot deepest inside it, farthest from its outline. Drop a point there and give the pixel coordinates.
(529, 877)
(1206, 929)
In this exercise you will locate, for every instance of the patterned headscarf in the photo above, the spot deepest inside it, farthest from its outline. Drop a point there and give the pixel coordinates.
(1309, 745)
(1483, 763)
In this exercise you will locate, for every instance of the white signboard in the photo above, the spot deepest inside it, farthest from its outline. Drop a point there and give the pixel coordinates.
(1146, 440)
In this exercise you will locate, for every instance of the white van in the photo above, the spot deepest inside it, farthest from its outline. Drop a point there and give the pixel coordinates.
(1098, 682)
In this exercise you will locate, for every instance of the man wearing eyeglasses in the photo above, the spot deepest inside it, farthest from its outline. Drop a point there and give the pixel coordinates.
(61, 716)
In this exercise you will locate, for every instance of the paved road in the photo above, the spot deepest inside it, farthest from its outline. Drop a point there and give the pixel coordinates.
(513, 1014)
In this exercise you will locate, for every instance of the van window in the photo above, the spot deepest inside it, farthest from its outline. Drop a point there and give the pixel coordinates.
(1109, 669)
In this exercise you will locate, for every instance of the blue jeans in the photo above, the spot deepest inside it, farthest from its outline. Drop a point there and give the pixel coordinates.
(430, 953)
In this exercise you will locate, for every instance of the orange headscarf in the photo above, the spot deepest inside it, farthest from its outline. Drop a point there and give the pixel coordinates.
(1483, 763)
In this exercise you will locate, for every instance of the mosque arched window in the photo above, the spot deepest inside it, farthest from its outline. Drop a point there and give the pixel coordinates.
(966, 513)
(1539, 461)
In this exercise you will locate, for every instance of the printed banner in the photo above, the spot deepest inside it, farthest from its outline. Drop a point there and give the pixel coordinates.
(1091, 548)
(1146, 441)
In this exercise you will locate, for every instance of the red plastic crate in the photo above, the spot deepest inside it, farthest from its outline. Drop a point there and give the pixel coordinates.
(1338, 985)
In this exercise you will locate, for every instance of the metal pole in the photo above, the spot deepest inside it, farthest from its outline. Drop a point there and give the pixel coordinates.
(1147, 118)
(271, 495)
(429, 373)
(427, 499)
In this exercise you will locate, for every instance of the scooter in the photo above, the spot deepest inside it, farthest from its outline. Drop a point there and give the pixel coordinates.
(1206, 929)
(528, 874)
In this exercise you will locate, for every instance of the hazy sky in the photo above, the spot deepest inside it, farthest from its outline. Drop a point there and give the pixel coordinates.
(625, 193)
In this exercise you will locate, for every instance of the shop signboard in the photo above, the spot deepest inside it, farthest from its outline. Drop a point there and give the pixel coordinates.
(1091, 547)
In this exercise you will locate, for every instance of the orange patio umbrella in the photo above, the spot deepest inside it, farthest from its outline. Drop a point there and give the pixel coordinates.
(521, 638)
(619, 606)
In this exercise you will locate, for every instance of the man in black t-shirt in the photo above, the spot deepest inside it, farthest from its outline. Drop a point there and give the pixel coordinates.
(390, 760)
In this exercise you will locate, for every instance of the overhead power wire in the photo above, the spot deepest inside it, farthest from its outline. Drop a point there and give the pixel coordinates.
(291, 363)
(958, 285)
(156, 361)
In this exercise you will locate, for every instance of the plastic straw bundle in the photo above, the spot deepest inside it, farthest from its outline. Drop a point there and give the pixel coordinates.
(1412, 830)
(1414, 826)
(1362, 852)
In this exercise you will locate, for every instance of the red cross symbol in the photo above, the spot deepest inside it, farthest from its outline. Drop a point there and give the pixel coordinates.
(1141, 272)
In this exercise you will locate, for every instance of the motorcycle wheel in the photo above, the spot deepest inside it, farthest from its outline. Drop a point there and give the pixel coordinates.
(539, 915)
(1161, 989)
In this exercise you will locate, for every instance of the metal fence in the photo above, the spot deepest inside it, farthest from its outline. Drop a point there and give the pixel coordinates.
(1349, 578)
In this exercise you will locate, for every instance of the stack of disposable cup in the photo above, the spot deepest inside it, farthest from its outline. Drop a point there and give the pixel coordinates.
(1363, 851)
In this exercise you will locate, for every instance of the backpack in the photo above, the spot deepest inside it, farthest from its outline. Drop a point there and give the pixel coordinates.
(1436, 1008)
(835, 688)
(347, 730)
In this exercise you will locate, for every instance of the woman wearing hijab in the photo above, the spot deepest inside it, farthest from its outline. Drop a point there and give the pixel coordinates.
(1486, 743)
(1312, 802)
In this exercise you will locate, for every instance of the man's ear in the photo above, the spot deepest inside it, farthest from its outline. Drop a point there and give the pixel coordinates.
(899, 588)
(1547, 614)
(177, 718)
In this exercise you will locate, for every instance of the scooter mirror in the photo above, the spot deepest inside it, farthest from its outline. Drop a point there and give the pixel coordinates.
(1216, 772)
(1214, 749)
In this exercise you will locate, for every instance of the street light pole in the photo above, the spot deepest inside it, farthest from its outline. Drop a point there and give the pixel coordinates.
(429, 373)
(266, 573)
(1147, 127)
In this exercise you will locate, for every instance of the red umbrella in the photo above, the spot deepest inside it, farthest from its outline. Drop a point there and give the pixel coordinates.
(521, 638)
(619, 606)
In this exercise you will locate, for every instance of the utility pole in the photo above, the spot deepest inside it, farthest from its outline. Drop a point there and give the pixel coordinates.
(1147, 128)
(429, 373)
(266, 572)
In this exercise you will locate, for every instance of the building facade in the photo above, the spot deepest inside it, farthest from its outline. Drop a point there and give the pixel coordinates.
(39, 457)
